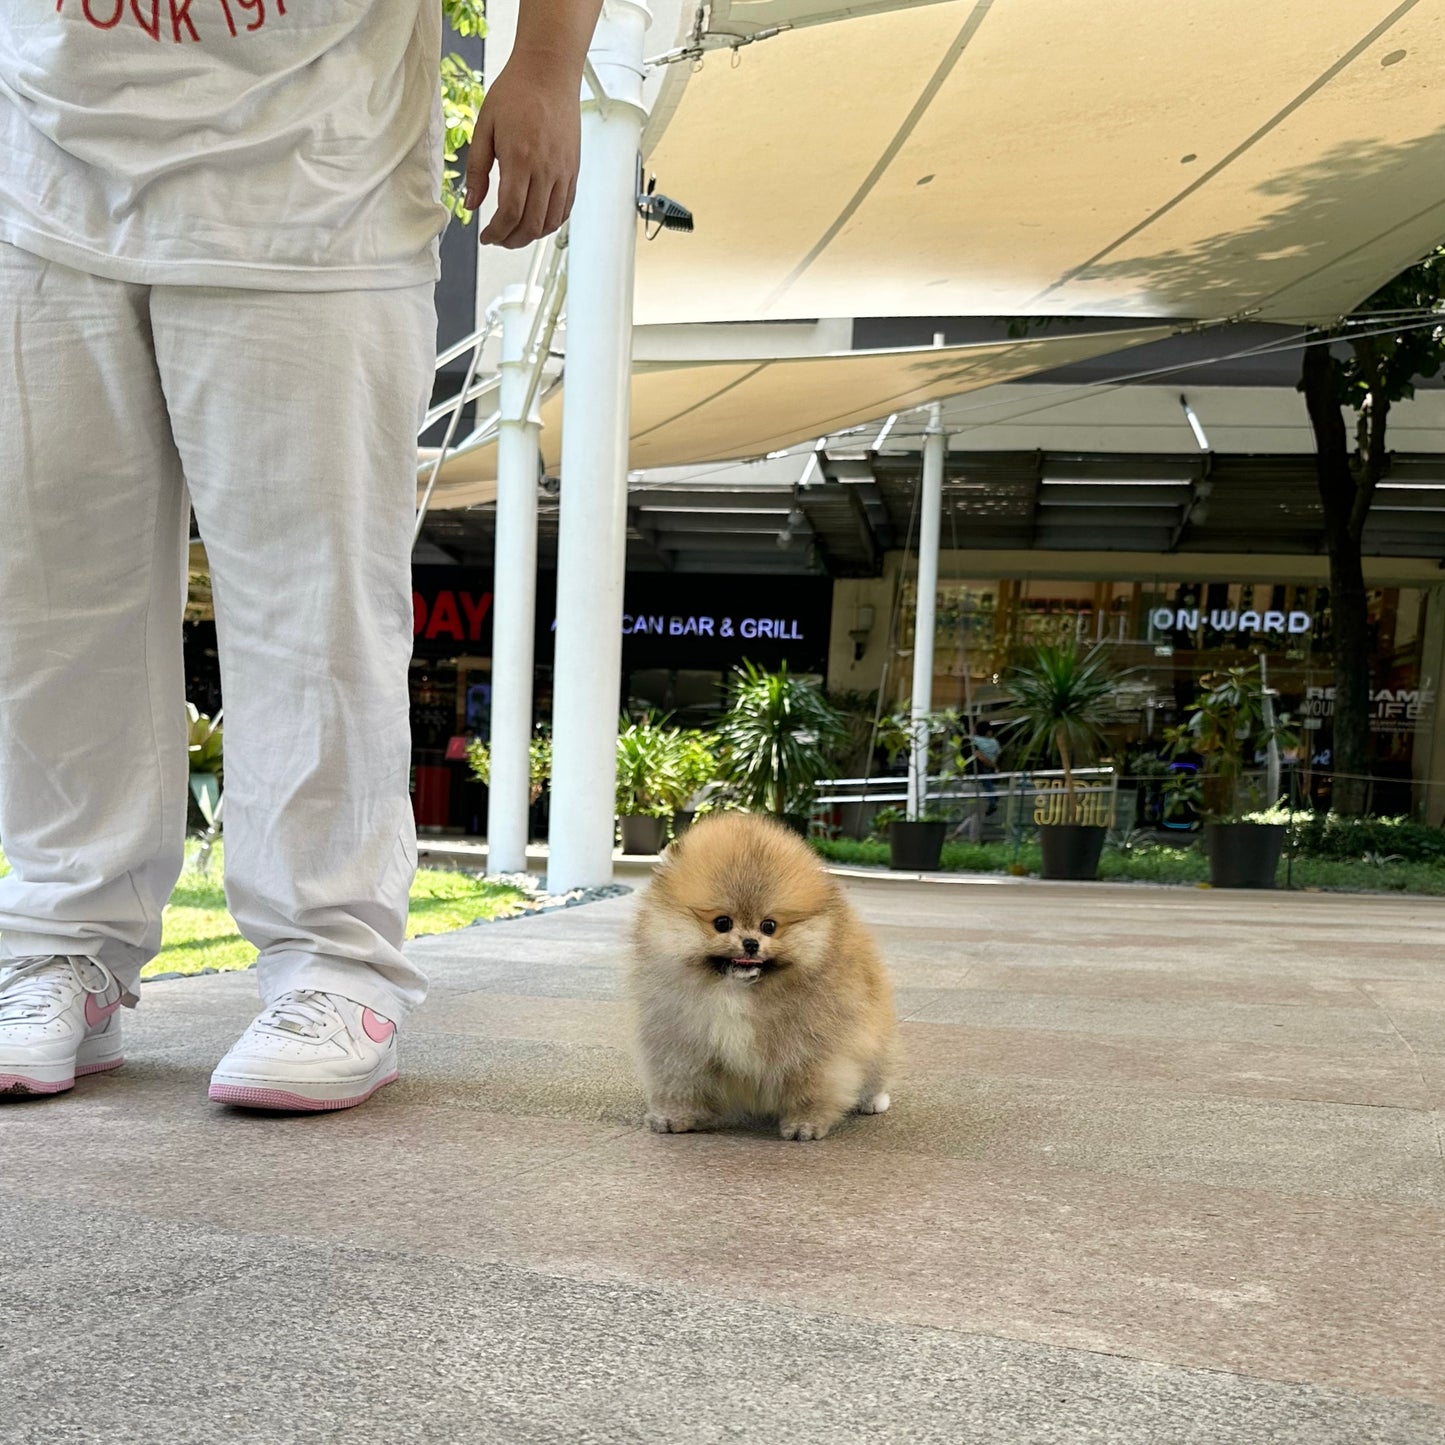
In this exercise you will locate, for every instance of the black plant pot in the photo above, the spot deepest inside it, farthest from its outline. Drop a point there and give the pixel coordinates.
(1243, 855)
(1071, 850)
(915, 847)
(539, 816)
(797, 822)
(642, 833)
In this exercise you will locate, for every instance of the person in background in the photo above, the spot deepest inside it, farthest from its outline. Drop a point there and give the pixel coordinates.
(986, 751)
(219, 245)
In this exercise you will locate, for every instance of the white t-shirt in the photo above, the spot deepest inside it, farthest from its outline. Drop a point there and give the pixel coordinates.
(280, 144)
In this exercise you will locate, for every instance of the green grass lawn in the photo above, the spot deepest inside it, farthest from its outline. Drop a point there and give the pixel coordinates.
(199, 932)
(1156, 865)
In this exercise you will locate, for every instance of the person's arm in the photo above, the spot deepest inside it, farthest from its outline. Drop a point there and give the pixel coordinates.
(530, 126)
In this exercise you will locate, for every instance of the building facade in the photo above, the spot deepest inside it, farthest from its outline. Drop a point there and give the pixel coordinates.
(1166, 623)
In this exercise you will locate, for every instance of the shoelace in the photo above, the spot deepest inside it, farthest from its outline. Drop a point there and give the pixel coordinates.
(307, 1013)
(32, 989)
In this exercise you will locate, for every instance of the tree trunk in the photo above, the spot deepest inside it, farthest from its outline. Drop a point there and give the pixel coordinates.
(1344, 524)
(1351, 753)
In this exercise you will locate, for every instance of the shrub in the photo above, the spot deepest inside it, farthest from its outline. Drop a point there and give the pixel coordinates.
(1329, 835)
(539, 762)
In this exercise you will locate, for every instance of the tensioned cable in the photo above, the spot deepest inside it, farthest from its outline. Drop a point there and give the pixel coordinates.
(1271, 348)
(1275, 346)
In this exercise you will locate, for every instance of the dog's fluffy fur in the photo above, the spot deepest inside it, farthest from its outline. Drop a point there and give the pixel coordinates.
(758, 991)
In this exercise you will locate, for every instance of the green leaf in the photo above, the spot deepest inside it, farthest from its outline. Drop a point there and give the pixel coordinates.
(462, 94)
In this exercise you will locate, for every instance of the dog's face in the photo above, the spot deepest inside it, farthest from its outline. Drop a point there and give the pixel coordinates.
(740, 948)
(746, 902)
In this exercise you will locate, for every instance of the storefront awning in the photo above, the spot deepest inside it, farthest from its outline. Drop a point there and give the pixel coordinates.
(705, 411)
(1044, 157)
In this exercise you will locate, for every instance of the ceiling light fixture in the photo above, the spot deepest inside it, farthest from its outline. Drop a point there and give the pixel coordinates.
(1195, 425)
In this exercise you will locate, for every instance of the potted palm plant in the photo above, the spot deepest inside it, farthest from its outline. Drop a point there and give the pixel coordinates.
(1232, 723)
(646, 783)
(1061, 702)
(776, 737)
(915, 842)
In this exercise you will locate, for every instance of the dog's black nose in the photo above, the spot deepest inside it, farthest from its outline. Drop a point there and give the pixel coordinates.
(750, 946)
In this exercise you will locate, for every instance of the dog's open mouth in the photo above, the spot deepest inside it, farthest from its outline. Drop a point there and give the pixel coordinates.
(745, 970)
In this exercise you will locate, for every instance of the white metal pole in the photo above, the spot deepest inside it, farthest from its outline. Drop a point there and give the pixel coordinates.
(1271, 756)
(514, 592)
(930, 522)
(592, 538)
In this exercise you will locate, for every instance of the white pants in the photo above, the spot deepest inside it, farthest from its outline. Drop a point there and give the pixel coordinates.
(291, 420)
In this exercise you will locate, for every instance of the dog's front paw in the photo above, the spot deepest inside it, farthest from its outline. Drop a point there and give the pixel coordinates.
(874, 1104)
(803, 1129)
(675, 1123)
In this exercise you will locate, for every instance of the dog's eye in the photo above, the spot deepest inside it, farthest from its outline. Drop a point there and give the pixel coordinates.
(768, 926)
(723, 923)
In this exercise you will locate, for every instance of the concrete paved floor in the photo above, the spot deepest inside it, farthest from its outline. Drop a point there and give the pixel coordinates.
(1164, 1166)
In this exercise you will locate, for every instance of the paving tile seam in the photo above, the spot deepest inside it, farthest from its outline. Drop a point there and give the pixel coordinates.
(592, 1272)
(1189, 1361)
(569, 1161)
(1230, 1198)
(858, 1142)
(1173, 1088)
(14, 1358)
(612, 1275)
(1434, 1114)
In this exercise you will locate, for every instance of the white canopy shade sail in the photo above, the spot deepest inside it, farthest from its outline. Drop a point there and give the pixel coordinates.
(1017, 157)
(705, 411)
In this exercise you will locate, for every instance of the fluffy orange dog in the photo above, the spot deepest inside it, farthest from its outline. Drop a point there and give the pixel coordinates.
(759, 993)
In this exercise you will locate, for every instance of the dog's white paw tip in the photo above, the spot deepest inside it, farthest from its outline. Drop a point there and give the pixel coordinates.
(803, 1133)
(671, 1124)
(878, 1104)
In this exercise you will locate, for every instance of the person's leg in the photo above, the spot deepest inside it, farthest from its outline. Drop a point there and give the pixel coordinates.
(92, 536)
(296, 417)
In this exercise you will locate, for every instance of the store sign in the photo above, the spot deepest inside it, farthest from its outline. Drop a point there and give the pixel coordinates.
(669, 620)
(777, 629)
(1392, 710)
(1230, 619)
(450, 613)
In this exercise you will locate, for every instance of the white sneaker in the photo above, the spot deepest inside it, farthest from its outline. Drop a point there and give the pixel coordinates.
(309, 1050)
(57, 1020)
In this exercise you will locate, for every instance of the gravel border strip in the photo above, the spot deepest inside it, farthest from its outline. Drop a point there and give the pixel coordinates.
(538, 899)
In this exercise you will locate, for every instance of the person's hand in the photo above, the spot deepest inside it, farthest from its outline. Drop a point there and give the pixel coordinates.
(530, 128)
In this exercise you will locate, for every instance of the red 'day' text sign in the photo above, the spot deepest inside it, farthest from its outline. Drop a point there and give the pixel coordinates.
(451, 613)
(176, 19)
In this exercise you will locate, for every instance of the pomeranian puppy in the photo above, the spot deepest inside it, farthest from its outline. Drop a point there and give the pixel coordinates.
(759, 993)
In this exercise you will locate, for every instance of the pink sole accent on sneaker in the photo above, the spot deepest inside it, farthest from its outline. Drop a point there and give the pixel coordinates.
(99, 1068)
(19, 1084)
(249, 1098)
